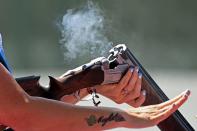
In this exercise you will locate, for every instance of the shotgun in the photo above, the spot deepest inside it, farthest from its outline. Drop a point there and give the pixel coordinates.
(104, 71)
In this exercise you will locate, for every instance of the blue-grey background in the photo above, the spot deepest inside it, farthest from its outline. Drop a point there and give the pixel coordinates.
(161, 33)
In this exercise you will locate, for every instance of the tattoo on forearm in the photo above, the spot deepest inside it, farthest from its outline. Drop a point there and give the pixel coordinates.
(102, 120)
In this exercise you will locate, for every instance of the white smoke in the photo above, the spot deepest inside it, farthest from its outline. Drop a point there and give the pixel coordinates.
(83, 32)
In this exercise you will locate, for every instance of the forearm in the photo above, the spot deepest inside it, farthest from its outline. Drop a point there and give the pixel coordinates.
(44, 114)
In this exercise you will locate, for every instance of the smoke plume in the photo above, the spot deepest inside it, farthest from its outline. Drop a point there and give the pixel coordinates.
(84, 33)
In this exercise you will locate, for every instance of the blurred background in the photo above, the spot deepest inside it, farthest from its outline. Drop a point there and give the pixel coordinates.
(161, 33)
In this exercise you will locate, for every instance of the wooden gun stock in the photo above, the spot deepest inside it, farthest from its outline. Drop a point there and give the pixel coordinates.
(71, 83)
(31, 85)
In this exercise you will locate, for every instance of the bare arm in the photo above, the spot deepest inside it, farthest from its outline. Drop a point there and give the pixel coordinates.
(43, 114)
(22, 112)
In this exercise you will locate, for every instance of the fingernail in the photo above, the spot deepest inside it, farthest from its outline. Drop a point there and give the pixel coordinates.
(131, 69)
(140, 75)
(144, 92)
(187, 92)
(137, 69)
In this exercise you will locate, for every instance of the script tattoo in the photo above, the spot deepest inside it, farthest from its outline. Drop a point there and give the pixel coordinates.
(102, 120)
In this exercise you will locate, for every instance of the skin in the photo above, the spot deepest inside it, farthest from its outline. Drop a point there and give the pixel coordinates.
(131, 82)
(23, 112)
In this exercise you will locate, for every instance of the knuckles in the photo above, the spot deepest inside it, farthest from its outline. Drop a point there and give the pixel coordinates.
(136, 94)
(119, 101)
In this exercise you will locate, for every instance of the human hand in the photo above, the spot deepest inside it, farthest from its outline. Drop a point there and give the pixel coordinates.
(152, 115)
(128, 90)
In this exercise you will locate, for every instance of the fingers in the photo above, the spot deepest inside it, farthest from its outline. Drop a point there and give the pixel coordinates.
(125, 80)
(129, 88)
(133, 80)
(139, 101)
(171, 108)
(132, 91)
(169, 102)
(137, 89)
(135, 93)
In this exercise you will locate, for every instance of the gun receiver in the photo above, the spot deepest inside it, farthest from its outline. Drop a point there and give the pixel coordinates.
(103, 71)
